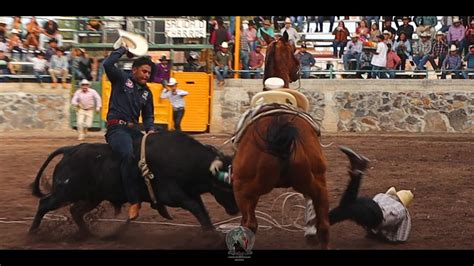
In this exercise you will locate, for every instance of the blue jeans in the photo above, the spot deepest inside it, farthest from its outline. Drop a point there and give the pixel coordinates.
(177, 117)
(377, 72)
(218, 69)
(420, 61)
(38, 75)
(455, 72)
(466, 72)
(244, 57)
(120, 139)
(341, 46)
(306, 71)
(347, 57)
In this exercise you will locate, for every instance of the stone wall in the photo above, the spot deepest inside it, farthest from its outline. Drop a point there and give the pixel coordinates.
(28, 106)
(365, 105)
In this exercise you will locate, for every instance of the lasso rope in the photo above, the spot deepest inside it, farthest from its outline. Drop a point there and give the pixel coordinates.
(291, 224)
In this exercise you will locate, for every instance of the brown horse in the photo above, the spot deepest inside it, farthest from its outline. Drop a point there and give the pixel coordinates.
(280, 60)
(280, 150)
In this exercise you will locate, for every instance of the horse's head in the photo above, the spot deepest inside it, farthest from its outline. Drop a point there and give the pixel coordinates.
(221, 185)
(280, 60)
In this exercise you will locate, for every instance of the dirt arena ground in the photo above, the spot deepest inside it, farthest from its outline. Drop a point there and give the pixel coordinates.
(437, 168)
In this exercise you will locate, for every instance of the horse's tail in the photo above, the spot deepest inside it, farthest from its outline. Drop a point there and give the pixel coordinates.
(281, 139)
(35, 186)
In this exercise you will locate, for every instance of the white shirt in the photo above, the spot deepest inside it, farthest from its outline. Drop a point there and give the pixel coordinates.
(293, 35)
(177, 100)
(39, 64)
(85, 100)
(380, 59)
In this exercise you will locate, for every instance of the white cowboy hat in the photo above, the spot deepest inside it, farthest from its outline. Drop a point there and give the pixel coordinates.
(85, 81)
(453, 48)
(355, 35)
(225, 45)
(456, 20)
(387, 32)
(172, 82)
(439, 33)
(287, 20)
(405, 196)
(274, 83)
(425, 34)
(135, 43)
(15, 31)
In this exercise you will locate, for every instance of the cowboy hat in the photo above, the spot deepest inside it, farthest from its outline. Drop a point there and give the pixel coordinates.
(287, 20)
(453, 48)
(274, 83)
(387, 32)
(85, 81)
(172, 82)
(405, 196)
(425, 34)
(135, 43)
(224, 45)
(354, 35)
(267, 22)
(456, 20)
(439, 33)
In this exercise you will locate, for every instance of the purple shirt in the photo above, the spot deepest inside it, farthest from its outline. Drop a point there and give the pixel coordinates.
(162, 73)
(456, 33)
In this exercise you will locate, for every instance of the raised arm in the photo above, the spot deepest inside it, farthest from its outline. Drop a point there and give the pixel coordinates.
(113, 72)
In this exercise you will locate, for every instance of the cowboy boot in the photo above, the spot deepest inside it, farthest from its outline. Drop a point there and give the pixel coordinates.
(358, 162)
(133, 211)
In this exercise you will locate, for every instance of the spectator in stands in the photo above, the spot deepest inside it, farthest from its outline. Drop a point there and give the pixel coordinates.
(452, 63)
(244, 54)
(469, 39)
(15, 45)
(439, 51)
(162, 71)
(469, 62)
(93, 24)
(3, 46)
(426, 24)
(387, 37)
(403, 49)
(267, 28)
(363, 31)
(3, 31)
(193, 64)
(406, 28)
(223, 63)
(251, 34)
(306, 61)
(84, 100)
(353, 51)
(5, 64)
(18, 26)
(321, 19)
(422, 51)
(293, 35)
(379, 59)
(256, 61)
(59, 67)
(456, 34)
(364, 62)
(374, 31)
(393, 61)
(39, 66)
(33, 30)
(50, 30)
(341, 33)
(219, 35)
(176, 97)
(81, 64)
(52, 47)
(387, 26)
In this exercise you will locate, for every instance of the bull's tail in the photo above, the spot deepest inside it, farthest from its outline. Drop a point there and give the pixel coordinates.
(35, 186)
(281, 139)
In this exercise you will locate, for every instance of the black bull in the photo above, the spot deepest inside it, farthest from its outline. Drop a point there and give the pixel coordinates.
(90, 173)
